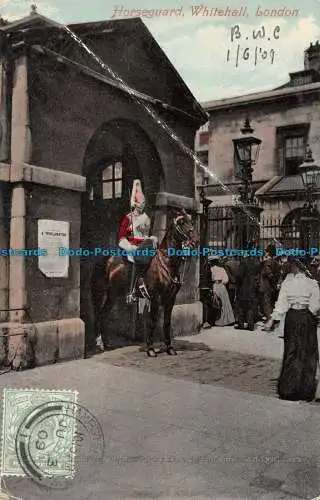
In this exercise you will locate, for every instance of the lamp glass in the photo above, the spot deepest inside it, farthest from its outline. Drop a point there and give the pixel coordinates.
(310, 176)
(247, 149)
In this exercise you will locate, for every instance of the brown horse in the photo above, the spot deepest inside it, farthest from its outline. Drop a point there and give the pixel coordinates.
(162, 280)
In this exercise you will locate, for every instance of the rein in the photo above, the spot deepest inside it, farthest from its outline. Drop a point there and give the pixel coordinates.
(175, 280)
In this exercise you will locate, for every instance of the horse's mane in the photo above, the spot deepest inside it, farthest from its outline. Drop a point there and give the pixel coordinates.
(170, 230)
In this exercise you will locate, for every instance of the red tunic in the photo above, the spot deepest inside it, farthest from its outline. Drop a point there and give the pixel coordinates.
(126, 231)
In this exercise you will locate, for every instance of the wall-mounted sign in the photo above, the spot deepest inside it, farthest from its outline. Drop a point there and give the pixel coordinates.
(53, 234)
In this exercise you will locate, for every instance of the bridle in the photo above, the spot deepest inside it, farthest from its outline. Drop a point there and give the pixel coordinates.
(185, 238)
(185, 243)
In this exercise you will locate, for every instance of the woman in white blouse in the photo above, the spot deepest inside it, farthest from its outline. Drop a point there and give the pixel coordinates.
(299, 301)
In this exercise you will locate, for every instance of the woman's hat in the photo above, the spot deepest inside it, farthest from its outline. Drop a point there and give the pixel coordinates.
(271, 250)
(213, 257)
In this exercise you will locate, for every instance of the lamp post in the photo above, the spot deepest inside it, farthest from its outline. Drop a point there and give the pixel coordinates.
(310, 175)
(246, 151)
(204, 273)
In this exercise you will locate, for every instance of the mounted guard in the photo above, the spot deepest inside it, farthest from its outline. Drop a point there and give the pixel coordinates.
(133, 235)
(162, 277)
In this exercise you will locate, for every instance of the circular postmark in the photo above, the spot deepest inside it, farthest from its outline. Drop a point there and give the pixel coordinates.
(55, 440)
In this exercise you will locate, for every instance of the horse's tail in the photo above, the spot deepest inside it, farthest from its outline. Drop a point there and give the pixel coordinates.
(99, 280)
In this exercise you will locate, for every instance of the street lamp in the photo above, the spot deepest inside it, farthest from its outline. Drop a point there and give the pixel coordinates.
(246, 149)
(310, 175)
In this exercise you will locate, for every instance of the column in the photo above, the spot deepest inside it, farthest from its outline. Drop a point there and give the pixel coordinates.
(4, 240)
(17, 286)
(20, 153)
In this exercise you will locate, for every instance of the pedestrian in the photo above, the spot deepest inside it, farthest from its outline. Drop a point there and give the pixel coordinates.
(269, 278)
(211, 302)
(315, 268)
(231, 266)
(248, 294)
(220, 280)
(299, 301)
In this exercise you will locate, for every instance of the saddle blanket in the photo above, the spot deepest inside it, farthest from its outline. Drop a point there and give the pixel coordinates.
(144, 260)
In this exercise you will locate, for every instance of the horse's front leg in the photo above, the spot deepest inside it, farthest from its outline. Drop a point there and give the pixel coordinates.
(167, 329)
(101, 312)
(154, 308)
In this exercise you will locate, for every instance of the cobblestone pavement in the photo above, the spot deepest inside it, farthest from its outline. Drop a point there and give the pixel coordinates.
(198, 363)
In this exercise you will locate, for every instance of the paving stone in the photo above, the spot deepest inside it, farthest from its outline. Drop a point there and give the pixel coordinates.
(197, 362)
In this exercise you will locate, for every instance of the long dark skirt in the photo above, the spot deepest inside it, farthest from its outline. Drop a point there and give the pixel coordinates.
(297, 380)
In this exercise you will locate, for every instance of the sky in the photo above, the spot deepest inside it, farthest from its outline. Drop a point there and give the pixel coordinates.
(198, 45)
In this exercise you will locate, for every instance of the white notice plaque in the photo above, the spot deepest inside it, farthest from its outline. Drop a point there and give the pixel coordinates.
(53, 234)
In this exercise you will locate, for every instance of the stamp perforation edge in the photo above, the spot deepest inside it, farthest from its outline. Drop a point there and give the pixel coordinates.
(2, 406)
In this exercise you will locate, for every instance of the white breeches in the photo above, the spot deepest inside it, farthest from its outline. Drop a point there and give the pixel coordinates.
(155, 240)
(128, 247)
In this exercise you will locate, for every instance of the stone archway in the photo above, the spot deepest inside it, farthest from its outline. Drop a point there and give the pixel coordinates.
(118, 152)
(300, 228)
(291, 229)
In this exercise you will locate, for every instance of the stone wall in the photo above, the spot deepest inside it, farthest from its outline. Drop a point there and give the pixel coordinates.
(225, 125)
(127, 47)
(66, 110)
(52, 298)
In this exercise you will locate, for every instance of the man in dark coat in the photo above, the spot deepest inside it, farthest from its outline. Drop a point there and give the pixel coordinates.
(314, 268)
(234, 269)
(248, 294)
(269, 279)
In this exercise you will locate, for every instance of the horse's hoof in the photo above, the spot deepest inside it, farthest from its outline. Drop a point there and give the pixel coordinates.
(100, 348)
(171, 351)
(99, 344)
(151, 353)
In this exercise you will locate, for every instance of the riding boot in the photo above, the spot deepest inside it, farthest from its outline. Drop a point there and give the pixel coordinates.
(133, 279)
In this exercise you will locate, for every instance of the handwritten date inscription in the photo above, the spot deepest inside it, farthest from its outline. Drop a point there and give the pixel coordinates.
(252, 54)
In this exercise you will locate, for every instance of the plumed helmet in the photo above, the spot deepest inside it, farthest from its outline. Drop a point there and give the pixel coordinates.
(137, 196)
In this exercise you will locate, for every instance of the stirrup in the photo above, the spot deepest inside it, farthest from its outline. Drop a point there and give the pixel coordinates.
(144, 292)
(131, 298)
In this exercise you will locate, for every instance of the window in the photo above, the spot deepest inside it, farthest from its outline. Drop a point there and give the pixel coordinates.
(237, 167)
(112, 181)
(203, 157)
(107, 183)
(291, 229)
(292, 143)
(294, 150)
(203, 138)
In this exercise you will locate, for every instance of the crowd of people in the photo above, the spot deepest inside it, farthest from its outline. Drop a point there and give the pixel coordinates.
(246, 291)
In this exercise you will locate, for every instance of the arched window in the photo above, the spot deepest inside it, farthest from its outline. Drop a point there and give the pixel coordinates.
(291, 229)
(300, 228)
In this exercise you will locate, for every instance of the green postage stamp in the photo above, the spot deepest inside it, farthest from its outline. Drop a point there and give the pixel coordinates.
(38, 432)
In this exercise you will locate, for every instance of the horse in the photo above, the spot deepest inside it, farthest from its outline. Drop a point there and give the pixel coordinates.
(161, 278)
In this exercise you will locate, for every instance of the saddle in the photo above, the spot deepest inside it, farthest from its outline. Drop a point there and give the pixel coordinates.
(142, 262)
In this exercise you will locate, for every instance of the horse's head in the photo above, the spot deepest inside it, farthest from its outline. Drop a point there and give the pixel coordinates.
(183, 229)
